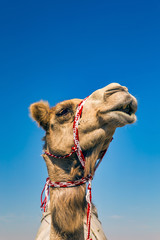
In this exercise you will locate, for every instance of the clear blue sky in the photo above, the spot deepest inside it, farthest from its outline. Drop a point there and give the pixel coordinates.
(57, 50)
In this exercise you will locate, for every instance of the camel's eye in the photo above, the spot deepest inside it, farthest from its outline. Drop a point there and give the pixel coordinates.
(63, 112)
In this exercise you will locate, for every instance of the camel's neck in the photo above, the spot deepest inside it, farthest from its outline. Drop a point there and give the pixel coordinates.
(67, 211)
(67, 205)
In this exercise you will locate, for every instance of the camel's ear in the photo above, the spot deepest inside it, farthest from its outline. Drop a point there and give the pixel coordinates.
(40, 113)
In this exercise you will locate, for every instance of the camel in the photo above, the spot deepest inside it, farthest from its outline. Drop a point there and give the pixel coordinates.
(103, 111)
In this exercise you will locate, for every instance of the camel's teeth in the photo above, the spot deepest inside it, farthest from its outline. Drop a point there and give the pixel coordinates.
(124, 107)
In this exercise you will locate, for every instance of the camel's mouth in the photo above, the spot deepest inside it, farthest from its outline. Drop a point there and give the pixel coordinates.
(127, 108)
(123, 112)
(126, 111)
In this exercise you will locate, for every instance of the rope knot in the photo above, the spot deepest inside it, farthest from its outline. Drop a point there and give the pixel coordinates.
(74, 149)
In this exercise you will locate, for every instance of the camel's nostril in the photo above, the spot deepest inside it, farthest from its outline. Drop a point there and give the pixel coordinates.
(111, 91)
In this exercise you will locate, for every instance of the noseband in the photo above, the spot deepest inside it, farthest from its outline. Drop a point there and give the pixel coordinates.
(76, 149)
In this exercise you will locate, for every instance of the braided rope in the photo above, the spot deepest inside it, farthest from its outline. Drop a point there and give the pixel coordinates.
(75, 133)
(67, 184)
(76, 149)
(61, 157)
(89, 208)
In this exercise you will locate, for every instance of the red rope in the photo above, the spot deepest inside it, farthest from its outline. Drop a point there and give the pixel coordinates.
(75, 133)
(70, 184)
(59, 157)
(79, 182)
(48, 184)
(89, 205)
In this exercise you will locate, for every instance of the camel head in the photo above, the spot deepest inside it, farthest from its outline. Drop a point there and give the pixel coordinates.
(104, 110)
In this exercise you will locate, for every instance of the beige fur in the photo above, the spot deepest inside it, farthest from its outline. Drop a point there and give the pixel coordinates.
(104, 111)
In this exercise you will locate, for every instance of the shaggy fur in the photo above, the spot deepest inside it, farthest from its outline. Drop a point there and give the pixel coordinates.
(104, 111)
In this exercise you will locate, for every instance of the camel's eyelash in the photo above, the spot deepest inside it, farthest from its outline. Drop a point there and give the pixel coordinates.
(63, 112)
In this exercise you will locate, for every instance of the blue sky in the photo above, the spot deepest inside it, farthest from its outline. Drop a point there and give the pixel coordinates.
(58, 50)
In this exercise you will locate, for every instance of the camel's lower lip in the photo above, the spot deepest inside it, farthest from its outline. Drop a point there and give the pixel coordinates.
(125, 116)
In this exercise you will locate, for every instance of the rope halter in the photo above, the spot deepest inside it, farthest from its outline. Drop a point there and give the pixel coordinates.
(76, 149)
